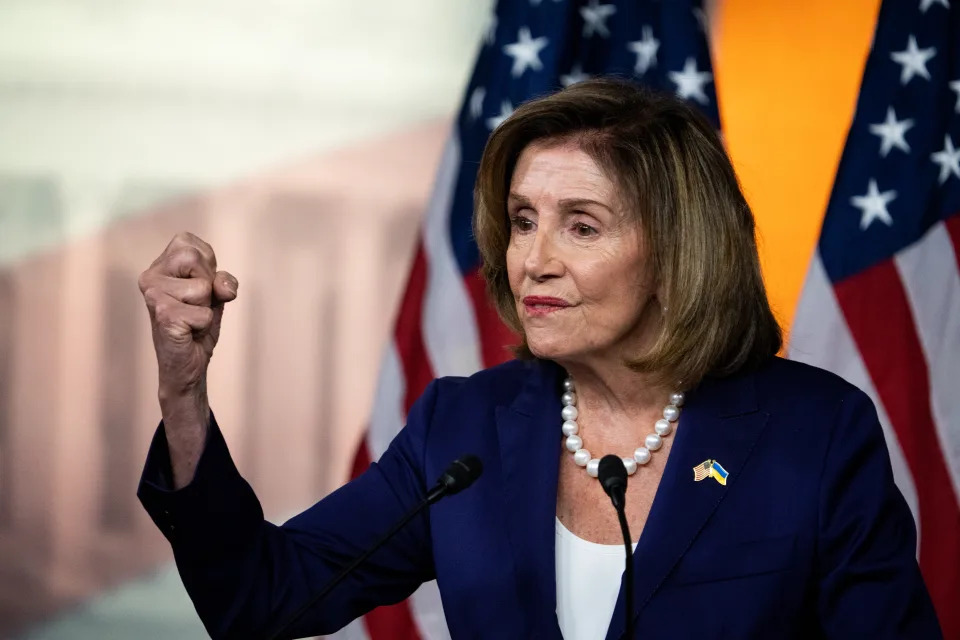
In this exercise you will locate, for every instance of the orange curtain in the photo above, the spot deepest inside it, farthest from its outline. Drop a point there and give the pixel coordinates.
(787, 76)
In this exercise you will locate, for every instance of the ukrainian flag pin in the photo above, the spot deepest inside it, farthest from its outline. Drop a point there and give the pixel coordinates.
(710, 469)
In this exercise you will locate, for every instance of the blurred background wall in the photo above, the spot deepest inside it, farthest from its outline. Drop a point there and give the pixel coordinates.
(299, 138)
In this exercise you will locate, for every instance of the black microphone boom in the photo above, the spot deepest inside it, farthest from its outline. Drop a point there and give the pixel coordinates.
(612, 475)
(461, 473)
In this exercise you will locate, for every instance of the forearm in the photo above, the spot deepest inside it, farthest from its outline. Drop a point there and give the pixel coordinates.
(186, 419)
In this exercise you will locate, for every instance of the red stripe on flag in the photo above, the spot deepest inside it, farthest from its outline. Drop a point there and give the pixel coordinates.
(495, 338)
(408, 335)
(393, 622)
(878, 313)
(953, 230)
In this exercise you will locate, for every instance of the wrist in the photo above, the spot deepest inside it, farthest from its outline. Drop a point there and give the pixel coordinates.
(184, 406)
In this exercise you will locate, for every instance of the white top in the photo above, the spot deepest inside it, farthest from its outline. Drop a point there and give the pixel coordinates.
(588, 582)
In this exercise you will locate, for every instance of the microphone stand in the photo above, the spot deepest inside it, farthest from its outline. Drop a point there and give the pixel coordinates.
(628, 570)
(613, 478)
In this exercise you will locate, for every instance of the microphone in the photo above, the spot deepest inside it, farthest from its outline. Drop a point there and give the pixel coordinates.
(460, 474)
(613, 478)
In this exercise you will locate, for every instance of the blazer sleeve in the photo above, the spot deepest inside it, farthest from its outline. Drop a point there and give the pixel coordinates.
(246, 576)
(869, 582)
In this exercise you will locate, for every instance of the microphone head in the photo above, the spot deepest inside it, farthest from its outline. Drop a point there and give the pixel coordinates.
(461, 474)
(612, 474)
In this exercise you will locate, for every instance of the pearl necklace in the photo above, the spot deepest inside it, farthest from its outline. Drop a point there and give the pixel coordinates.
(582, 457)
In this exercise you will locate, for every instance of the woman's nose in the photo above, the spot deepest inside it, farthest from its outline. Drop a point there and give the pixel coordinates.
(541, 261)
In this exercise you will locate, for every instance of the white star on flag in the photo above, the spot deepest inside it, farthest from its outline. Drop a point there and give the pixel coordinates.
(690, 82)
(646, 50)
(948, 159)
(525, 52)
(892, 133)
(913, 60)
(576, 75)
(476, 102)
(874, 205)
(955, 86)
(506, 109)
(926, 4)
(595, 18)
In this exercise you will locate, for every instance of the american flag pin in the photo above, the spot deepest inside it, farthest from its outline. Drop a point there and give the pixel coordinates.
(710, 469)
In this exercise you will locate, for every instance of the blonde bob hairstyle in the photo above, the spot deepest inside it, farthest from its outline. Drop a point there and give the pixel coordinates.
(676, 182)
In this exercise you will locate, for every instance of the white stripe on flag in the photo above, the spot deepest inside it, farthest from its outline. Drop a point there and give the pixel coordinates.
(428, 612)
(356, 630)
(449, 325)
(928, 269)
(387, 417)
(820, 336)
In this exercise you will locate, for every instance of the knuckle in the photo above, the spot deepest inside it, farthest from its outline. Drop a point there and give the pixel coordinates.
(151, 296)
(163, 312)
(184, 237)
(186, 256)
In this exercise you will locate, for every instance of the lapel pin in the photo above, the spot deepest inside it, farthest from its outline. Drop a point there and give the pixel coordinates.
(710, 469)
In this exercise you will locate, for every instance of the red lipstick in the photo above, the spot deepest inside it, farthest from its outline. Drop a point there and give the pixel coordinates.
(542, 305)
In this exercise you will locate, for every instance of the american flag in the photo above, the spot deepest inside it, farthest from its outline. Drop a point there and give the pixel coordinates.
(702, 470)
(445, 325)
(881, 303)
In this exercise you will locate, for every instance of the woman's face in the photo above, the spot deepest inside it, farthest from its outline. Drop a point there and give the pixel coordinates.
(576, 262)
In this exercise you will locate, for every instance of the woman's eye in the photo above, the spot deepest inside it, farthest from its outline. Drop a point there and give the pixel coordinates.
(521, 223)
(584, 230)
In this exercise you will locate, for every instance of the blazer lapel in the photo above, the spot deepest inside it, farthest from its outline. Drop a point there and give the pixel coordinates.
(719, 422)
(529, 457)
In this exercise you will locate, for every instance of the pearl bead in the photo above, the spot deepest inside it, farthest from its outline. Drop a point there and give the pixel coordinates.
(671, 413)
(631, 465)
(569, 413)
(663, 427)
(568, 398)
(642, 455)
(570, 427)
(581, 457)
(653, 442)
(676, 399)
(593, 467)
(568, 384)
(574, 443)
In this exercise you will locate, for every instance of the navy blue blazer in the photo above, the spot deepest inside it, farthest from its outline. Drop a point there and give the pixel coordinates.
(810, 538)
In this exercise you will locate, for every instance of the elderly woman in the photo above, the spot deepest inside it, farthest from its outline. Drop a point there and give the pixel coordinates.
(617, 243)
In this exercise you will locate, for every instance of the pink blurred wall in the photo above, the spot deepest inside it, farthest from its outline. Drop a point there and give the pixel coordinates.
(321, 249)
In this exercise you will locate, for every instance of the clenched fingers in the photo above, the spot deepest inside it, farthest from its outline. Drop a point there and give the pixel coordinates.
(181, 320)
(187, 262)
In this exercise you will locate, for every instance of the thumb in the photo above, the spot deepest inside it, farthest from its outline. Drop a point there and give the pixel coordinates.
(224, 289)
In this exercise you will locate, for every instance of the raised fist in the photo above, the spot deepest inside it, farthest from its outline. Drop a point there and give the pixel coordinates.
(185, 295)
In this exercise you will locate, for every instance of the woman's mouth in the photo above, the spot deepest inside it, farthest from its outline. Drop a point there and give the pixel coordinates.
(543, 305)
